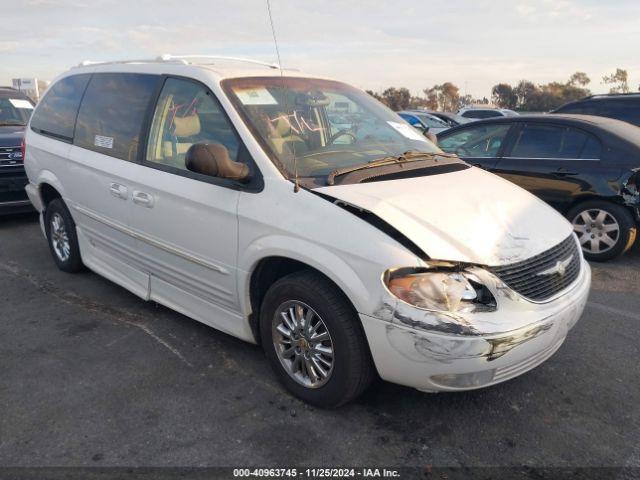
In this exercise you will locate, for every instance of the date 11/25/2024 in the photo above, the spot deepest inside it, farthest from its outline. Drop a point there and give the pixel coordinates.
(317, 472)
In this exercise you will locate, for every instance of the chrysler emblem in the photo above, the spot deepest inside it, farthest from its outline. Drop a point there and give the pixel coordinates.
(559, 268)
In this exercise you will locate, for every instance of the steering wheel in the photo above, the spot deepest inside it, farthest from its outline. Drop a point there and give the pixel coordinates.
(341, 133)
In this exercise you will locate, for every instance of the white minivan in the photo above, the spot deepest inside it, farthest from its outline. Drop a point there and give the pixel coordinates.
(222, 189)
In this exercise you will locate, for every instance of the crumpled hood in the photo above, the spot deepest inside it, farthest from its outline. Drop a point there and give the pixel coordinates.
(467, 216)
(11, 136)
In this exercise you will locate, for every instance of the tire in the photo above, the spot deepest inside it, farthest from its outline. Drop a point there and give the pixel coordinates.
(351, 369)
(62, 237)
(600, 233)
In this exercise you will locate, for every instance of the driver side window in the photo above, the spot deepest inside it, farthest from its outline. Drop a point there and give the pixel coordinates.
(482, 141)
(186, 114)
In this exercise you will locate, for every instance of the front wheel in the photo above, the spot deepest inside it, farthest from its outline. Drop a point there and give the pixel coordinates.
(605, 230)
(313, 340)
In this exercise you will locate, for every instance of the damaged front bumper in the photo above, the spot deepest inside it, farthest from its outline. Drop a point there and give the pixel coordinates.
(434, 351)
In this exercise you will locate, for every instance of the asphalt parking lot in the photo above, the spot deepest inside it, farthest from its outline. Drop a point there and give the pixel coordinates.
(90, 375)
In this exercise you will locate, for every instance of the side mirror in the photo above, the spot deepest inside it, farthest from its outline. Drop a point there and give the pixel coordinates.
(431, 136)
(212, 159)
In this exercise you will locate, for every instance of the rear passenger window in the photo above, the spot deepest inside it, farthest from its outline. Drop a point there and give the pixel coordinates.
(187, 113)
(56, 113)
(545, 141)
(112, 112)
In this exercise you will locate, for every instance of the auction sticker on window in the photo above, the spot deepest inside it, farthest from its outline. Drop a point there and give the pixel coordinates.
(102, 141)
(408, 131)
(20, 103)
(255, 96)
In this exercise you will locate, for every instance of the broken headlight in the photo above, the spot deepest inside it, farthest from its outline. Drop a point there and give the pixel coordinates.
(441, 289)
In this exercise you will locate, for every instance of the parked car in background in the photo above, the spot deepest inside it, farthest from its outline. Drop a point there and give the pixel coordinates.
(586, 167)
(15, 110)
(621, 106)
(424, 121)
(451, 119)
(219, 189)
(479, 113)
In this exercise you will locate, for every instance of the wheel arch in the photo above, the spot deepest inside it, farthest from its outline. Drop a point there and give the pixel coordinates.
(272, 264)
(614, 200)
(49, 187)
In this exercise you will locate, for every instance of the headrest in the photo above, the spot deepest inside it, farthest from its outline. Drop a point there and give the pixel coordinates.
(213, 159)
(283, 127)
(187, 126)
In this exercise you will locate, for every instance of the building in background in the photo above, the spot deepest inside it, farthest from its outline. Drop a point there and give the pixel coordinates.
(31, 87)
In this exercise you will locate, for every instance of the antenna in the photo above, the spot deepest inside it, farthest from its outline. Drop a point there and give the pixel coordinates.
(296, 187)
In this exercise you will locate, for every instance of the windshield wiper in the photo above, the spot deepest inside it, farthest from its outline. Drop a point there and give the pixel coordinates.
(408, 156)
(12, 124)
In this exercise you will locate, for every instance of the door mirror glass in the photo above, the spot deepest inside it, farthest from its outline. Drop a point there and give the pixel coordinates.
(212, 159)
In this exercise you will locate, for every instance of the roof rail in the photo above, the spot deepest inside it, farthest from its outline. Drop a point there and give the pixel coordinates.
(168, 57)
(183, 59)
(620, 94)
(87, 63)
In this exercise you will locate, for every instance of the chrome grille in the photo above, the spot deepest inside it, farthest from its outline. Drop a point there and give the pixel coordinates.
(10, 156)
(542, 276)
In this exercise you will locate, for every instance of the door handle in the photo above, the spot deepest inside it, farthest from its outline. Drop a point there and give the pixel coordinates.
(563, 172)
(118, 190)
(142, 198)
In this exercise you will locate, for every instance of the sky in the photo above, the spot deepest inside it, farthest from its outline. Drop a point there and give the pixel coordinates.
(371, 44)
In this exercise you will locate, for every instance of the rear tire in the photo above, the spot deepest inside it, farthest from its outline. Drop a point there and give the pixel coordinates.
(308, 298)
(605, 230)
(61, 236)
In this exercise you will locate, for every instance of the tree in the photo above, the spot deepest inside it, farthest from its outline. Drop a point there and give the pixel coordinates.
(445, 97)
(396, 98)
(579, 79)
(524, 91)
(374, 95)
(617, 81)
(503, 96)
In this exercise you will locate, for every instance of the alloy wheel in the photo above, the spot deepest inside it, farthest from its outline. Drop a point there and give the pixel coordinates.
(303, 344)
(60, 238)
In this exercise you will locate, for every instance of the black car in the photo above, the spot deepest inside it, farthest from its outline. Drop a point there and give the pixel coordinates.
(15, 110)
(621, 106)
(586, 167)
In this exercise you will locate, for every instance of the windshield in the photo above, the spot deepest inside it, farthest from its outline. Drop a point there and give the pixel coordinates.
(324, 125)
(14, 111)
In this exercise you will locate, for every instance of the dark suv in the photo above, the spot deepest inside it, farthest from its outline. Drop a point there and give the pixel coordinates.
(15, 110)
(621, 106)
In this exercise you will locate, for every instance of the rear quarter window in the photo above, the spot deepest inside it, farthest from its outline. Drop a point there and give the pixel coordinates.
(112, 113)
(625, 109)
(56, 113)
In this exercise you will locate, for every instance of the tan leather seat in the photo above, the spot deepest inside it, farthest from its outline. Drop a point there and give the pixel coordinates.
(184, 127)
(285, 139)
(213, 159)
